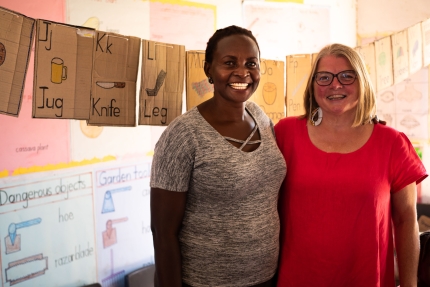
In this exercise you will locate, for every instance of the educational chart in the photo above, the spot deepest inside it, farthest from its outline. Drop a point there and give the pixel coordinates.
(47, 231)
(287, 28)
(405, 106)
(182, 23)
(124, 238)
(25, 141)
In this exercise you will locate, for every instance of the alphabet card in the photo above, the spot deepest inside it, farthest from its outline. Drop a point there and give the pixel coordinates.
(425, 26)
(399, 43)
(198, 89)
(162, 83)
(298, 71)
(367, 52)
(270, 93)
(384, 63)
(16, 37)
(116, 63)
(62, 71)
(415, 41)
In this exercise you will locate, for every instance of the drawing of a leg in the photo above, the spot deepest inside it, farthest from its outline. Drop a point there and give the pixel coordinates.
(160, 80)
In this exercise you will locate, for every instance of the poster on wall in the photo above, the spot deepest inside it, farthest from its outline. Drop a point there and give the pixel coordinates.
(399, 45)
(47, 230)
(124, 237)
(287, 28)
(405, 106)
(33, 142)
(384, 63)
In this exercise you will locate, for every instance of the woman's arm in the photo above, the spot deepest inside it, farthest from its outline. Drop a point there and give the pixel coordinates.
(167, 211)
(405, 224)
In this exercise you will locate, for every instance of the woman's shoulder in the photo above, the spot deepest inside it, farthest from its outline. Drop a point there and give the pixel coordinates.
(290, 122)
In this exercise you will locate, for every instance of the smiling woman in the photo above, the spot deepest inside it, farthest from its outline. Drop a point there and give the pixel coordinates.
(351, 180)
(215, 179)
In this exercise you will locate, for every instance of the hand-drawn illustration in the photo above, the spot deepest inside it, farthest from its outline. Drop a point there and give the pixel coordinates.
(2, 53)
(108, 205)
(160, 80)
(410, 94)
(90, 131)
(269, 93)
(114, 279)
(92, 22)
(58, 70)
(409, 122)
(387, 96)
(202, 87)
(110, 85)
(26, 269)
(382, 59)
(13, 240)
(109, 235)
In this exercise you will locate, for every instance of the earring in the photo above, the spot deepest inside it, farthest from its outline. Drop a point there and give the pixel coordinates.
(210, 80)
(317, 112)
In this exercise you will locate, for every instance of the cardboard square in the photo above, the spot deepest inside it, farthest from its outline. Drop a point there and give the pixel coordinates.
(113, 96)
(367, 52)
(270, 92)
(298, 72)
(62, 71)
(415, 48)
(16, 38)
(399, 44)
(162, 83)
(425, 27)
(198, 89)
(384, 63)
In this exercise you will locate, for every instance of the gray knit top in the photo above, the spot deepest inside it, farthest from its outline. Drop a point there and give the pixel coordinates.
(230, 230)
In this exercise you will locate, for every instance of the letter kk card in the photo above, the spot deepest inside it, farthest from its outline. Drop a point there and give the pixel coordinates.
(113, 95)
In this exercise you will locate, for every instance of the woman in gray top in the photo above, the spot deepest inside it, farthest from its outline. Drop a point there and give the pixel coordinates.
(215, 179)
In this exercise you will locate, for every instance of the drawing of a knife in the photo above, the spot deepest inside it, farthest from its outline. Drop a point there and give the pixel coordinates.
(110, 85)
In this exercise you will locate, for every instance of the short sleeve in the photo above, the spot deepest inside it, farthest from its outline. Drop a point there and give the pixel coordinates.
(173, 159)
(405, 167)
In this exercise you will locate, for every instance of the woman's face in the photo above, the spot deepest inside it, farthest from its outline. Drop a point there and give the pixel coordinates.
(235, 68)
(336, 98)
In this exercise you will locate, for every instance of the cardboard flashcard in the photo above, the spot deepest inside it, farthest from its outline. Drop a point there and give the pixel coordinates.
(162, 83)
(16, 38)
(298, 71)
(384, 63)
(270, 92)
(198, 89)
(113, 95)
(62, 71)
(367, 52)
(399, 43)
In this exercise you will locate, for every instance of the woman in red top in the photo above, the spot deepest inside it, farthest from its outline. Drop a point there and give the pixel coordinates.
(350, 180)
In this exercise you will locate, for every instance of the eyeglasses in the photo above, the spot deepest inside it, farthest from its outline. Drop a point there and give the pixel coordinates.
(326, 78)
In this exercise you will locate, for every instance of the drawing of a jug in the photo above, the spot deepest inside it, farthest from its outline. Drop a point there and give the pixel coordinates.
(58, 71)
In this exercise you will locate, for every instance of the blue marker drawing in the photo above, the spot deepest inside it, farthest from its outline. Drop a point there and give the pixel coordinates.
(108, 201)
(14, 238)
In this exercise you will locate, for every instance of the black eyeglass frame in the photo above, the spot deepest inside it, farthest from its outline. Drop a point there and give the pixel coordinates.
(335, 76)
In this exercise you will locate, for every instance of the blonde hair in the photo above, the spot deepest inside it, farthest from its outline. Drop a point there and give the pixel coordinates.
(366, 107)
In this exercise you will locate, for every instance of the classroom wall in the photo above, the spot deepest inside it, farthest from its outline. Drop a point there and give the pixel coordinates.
(372, 25)
(75, 199)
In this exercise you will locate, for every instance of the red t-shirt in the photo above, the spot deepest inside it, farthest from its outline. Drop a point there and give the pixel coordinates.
(335, 208)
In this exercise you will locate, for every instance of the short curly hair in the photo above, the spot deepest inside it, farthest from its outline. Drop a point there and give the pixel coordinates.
(221, 34)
